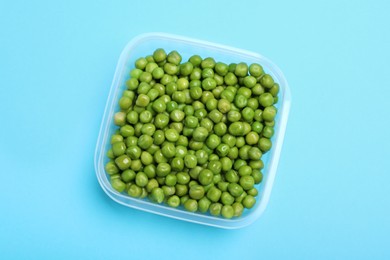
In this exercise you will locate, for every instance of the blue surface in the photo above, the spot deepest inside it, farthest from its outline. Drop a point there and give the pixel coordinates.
(331, 193)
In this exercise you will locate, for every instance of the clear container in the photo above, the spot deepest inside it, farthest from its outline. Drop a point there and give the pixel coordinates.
(145, 44)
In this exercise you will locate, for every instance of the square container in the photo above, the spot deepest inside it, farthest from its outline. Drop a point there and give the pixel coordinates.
(145, 44)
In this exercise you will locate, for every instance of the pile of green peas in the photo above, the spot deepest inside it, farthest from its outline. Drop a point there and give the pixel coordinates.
(192, 133)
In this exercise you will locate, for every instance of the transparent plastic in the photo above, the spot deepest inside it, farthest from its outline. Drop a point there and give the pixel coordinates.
(145, 44)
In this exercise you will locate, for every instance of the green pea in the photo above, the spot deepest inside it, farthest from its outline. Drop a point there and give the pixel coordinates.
(168, 190)
(217, 90)
(238, 209)
(215, 116)
(132, 84)
(186, 68)
(181, 151)
(196, 192)
(191, 121)
(209, 84)
(235, 190)
(224, 106)
(177, 164)
(128, 175)
(248, 114)
(241, 69)
(191, 205)
(208, 63)
(220, 129)
(111, 168)
(256, 70)
(196, 74)
(266, 100)
(118, 148)
(234, 116)
(247, 182)
(190, 161)
(269, 113)
(150, 170)
(215, 209)
(195, 60)
(174, 57)
(252, 138)
(221, 68)
(236, 129)
(240, 101)
(223, 185)
(207, 123)
(159, 55)
(170, 180)
(207, 73)
(183, 199)
(201, 156)
(177, 115)
(171, 135)
(183, 141)
(249, 201)
(161, 121)
(265, 144)
(120, 118)
(168, 150)
(211, 104)
(181, 190)
(173, 201)
(200, 134)
(131, 141)
(232, 176)
(215, 166)
(183, 178)
(214, 194)
(230, 79)
(134, 191)
(163, 169)
(205, 177)
(267, 81)
(157, 195)
(200, 113)
(226, 198)
(256, 164)
(146, 158)
(204, 204)
(227, 211)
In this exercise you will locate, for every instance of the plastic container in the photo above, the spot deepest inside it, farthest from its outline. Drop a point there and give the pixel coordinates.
(144, 45)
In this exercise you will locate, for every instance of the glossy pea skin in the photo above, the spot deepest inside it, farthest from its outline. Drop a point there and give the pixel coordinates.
(215, 209)
(227, 211)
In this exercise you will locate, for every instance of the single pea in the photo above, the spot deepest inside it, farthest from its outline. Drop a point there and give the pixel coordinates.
(230, 79)
(240, 101)
(214, 194)
(157, 195)
(145, 77)
(256, 164)
(196, 74)
(141, 179)
(134, 191)
(252, 138)
(125, 103)
(136, 165)
(236, 129)
(207, 73)
(182, 83)
(204, 204)
(266, 100)
(249, 201)
(200, 113)
(258, 115)
(191, 205)
(221, 68)
(229, 140)
(267, 81)
(257, 176)
(163, 169)
(257, 127)
(171, 135)
(226, 198)
(240, 198)
(150, 170)
(208, 63)
(247, 182)
(222, 149)
(190, 161)
(211, 104)
(215, 209)
(215, 166)
(131, 141)
(173, 201)
(132, 117)
(270, 123)
(253, 192)
(145, 116)
(181, 190)
(195, 60)
(238, 209)
(146, 158)
(160, 180)
(274, 90)
(207, 150)
(213, 141)
(171, 69)
(217, 178)
(128, 175)
(241, 69)
(265, 144)
(269, 114)
(171, 179)
(200, 134)
(209, 84)
(234, 116)
(141, 63)
(215, 116)
(142, 100)
(132, 84)
(158, 137)
(159, 106)
(123, 162)
(159, 55)
(183, 141)
(254, 153)
(134, 73)
(256, 70)
(186, 68)
(137, 129)
(181, 151)
(207, 123)
(217, 90)
(153, 94)
(205, 177)
(171, 88)
(168, 190)
(201, 156)
(145, 141)
(174, 57)
(248, 114)
(224, 106)
(178, 127)
(159, 157)
(111, 168)
(250, 81)
(183, 178)
(177, 164)
(235, 190)
(161, 121)
(118, 148)
(127, 130)
(187, 131)
(120, 118)
(232, 176)
(196, 192)
(143, 88)
(196, 92)
(226, 163)
(177, 115)
(191, 121)
(227, 211)
(168, 150)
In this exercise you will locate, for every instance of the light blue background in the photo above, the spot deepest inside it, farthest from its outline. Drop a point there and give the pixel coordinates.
(331, 194)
